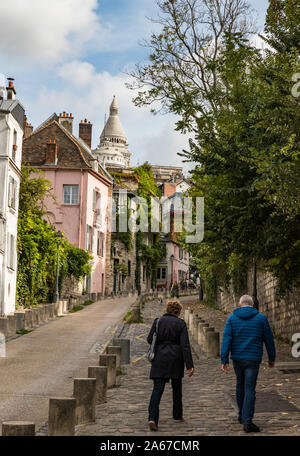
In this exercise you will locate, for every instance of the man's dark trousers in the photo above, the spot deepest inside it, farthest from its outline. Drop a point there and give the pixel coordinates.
(158, 389)
(246, 376)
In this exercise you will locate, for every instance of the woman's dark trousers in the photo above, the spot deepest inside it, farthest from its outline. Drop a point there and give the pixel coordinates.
(246, 376)
(158, 389)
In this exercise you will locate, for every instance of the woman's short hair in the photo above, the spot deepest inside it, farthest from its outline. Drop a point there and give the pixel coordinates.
(173, 306)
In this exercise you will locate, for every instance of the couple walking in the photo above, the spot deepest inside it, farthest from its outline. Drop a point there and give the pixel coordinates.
(245, 332)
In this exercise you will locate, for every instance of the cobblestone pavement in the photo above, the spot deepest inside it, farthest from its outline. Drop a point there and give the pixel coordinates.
(209, 407)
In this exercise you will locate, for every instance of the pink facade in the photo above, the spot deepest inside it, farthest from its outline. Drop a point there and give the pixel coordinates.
(174, 267)
(83, 222)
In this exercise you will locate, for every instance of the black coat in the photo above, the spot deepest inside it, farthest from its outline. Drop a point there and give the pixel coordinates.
(172, 348)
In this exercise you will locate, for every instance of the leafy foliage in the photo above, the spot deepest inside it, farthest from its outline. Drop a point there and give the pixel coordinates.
(245, 123)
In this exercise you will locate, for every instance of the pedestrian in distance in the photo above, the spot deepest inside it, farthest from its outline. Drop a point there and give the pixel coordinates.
(172, 353)
(175, 290)
(245, 333)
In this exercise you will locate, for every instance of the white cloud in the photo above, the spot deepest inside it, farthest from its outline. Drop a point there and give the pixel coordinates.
(87, 93)
(46, 31)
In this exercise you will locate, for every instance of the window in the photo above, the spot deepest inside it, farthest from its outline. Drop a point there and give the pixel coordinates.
(144, 273)
(12, 192)
(92, 239)
(15, 147)
(162, 273)
(98, 243)
(10, 251)
(180, 253)
(102, 244)
(70, 194)
(2, 237)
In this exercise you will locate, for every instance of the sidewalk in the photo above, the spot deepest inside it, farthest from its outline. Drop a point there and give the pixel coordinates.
(208, 396)
(43, 363)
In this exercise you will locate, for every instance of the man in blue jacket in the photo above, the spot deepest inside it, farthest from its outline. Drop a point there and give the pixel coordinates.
(245, 332)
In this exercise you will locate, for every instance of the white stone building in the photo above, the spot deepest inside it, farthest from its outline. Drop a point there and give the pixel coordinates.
(11, 135)
(112, 151)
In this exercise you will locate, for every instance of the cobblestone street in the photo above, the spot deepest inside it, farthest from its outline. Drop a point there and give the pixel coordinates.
(208, 396)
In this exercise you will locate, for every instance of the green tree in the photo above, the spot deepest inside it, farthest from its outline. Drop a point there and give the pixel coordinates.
(239, 107)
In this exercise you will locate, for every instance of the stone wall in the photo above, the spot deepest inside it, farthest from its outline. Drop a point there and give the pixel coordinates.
(283, 312)
(71, 286)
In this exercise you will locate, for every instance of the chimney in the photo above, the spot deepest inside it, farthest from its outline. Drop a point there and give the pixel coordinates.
(28, 128)
(66, 120)
(10, 90)
(51, 153)
(85, 132)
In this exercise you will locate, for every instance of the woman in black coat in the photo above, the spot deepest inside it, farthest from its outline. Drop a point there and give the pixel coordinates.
(172, 352)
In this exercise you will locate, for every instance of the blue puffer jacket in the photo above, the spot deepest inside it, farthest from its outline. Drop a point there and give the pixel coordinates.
(245, 331)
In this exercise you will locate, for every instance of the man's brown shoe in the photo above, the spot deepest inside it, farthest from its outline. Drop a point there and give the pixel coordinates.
(152, 426)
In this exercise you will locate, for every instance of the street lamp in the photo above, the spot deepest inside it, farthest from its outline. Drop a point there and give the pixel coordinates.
(139, 255)
(56, 292)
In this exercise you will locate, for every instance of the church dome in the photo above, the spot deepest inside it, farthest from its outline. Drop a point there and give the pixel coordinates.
(113, 148)
(113, 127)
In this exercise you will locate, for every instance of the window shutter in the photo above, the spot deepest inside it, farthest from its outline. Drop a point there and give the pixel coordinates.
(87, 237)
(94, 199)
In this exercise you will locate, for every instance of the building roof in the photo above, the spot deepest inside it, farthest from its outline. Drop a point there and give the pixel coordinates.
(15, 108)
(72, 152)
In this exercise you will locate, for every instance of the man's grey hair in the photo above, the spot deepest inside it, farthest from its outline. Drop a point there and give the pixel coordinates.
(246, 299)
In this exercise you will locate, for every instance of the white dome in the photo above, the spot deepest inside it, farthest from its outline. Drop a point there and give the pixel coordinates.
(113, 127)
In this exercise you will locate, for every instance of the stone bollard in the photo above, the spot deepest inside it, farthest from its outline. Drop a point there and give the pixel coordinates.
(186, 315)
(35, 316)
(51, 310)
(212, 344)
(114, 350)
(28, 318)
(100, 374)
(61, 416)
(20, 320)
(191, 315)
(65, 306)
(11, 324)
(201, 332)
(85, 395)
(194, 330)
(125, 349)
(110, 362)
(59, 308)
(99, 296)
(94, 297)
(41, 312)
(136, 312)
(4, 326)
(205, 331)
(46, 311)
(18, 428)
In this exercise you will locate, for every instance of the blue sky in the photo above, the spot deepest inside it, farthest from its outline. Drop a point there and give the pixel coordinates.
(70, 55)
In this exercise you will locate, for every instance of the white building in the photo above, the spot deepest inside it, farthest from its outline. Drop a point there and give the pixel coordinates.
(112, 151)
(11, 136)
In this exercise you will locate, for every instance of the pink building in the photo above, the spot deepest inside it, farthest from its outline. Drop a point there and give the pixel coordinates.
(81, 187)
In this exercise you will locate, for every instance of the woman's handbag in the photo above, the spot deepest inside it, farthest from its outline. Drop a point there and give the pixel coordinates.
(151, 351)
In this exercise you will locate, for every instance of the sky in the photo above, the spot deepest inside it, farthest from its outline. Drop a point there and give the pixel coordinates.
(72, 56)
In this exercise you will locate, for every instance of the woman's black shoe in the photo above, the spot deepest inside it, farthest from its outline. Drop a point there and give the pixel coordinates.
(251, 427)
